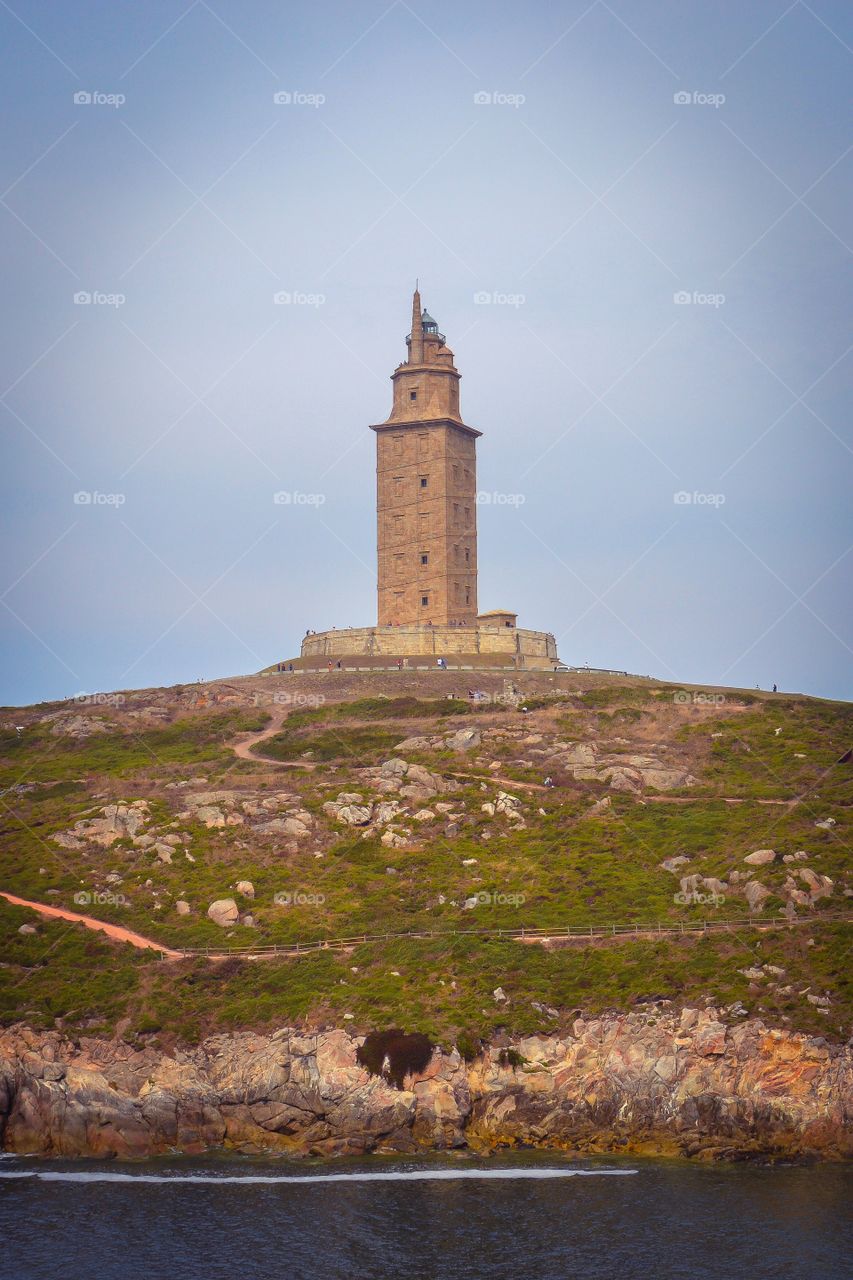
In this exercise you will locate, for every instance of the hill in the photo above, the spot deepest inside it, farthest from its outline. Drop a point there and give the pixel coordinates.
(314, 807)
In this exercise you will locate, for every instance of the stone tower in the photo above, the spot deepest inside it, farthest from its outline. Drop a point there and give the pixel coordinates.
(426, 490)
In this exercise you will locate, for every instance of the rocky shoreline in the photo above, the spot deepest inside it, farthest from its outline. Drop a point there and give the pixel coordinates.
(652, 1082)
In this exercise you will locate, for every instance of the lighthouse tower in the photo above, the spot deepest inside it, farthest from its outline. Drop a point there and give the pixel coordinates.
(426, 490)
(426, 540)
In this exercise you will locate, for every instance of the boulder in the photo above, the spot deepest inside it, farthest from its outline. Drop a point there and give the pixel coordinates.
(294, 827)
(600, 808)
(393, 839)
(760, 858)
(818, 886)
(223, 912)
(582, 753)
(211, 815)
(385, 811)
(662, 779)
(628, 780)
(394, 768)
(350, 809)
(756, 894)
(246, 888)
(355, 815)
(672, 864)
(508, 804)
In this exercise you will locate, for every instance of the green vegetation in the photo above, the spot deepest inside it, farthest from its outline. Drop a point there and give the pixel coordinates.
(403, 708)
(511, 1058)
(785, 750)
(563, 867)
(39, 756)
(357, 744)
(440, 988)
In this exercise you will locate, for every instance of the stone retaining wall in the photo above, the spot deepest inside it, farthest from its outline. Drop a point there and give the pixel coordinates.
(523, 649)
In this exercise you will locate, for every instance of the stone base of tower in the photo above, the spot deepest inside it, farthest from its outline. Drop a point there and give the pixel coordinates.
(472, 646)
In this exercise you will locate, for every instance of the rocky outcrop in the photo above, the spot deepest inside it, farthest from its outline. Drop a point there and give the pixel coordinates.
(276, 813)
(684, 1083)
(116, 822)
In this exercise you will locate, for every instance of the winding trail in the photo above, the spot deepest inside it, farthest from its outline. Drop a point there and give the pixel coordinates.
(114, 931)
(244, 750)
(244, 747)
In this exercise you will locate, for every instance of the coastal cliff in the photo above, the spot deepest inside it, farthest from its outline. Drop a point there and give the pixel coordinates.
(656, 1082)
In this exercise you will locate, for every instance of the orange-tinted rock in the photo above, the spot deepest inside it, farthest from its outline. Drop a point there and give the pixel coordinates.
(651, 1082)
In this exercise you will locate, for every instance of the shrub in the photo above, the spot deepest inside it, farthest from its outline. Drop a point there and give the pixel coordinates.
(469, 1046)
(402, 708)
(394, 1054)
(511, 1058)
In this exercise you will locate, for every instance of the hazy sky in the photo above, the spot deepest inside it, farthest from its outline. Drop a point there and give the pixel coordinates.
(581, 198)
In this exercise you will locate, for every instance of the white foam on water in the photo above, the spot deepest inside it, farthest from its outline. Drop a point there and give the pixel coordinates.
(399, 1175)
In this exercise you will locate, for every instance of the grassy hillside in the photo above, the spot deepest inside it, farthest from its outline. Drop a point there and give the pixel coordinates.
(641, 773)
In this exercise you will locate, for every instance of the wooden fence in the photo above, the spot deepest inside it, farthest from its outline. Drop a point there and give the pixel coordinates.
(561, 933)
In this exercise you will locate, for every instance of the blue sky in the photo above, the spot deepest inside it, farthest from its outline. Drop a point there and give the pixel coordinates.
(653, 197)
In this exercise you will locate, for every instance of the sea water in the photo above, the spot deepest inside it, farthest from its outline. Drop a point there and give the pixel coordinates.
(536, 1216)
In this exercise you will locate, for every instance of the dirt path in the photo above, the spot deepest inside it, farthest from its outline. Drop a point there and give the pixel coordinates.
(505, 782)
(114, 931)
(243, 748)
(725, 799)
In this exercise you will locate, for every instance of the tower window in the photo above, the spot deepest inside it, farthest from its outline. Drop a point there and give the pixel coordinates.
(424, 557)
(467, 596)
(424, 481)
(413, 395)
(424, 601)
(467, 556)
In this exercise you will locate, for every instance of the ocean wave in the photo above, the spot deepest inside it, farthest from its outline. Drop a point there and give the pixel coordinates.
(385, 1175)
